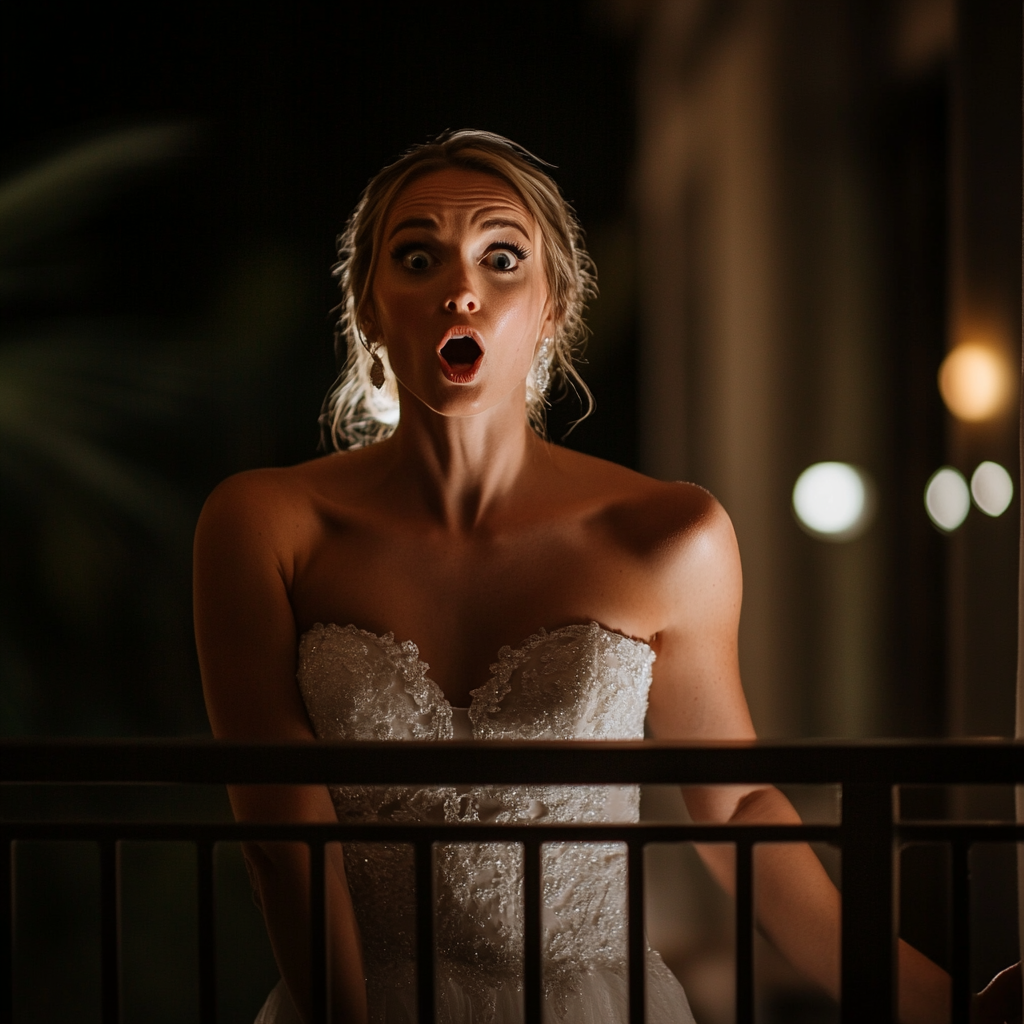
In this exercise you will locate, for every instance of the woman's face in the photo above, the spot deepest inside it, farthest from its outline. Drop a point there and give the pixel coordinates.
(459, 296)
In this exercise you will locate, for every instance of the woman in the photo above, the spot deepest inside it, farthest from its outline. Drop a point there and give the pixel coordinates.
(389, 577)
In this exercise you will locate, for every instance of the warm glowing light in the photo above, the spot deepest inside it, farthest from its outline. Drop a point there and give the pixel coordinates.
(947, 499)
(975, 381)
(833, 500)
(992, 488)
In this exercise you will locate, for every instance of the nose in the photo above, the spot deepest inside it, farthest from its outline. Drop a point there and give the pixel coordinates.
(462, 296)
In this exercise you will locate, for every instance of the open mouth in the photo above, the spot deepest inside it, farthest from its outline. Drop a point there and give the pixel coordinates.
(461, 356)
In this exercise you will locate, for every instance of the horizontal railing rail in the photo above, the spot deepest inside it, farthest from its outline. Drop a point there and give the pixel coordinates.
(521, 762)
(869, 835)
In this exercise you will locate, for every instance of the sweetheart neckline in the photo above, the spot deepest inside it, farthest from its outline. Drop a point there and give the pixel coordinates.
(506, 651)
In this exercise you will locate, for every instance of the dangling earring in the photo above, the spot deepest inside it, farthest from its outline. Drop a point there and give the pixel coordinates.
(376, 364)
(541, 369)
(376, 370)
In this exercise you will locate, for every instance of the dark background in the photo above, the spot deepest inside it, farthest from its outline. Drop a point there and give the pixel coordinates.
(201, 283)
(166, 322)
(171, 185)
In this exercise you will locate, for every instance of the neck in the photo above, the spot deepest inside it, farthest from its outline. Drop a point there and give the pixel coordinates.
(460, 469)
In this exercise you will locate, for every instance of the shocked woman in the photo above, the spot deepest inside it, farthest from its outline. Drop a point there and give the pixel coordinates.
(452, 574)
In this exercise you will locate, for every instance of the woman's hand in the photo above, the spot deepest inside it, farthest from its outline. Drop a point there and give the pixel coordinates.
(1000, 1001)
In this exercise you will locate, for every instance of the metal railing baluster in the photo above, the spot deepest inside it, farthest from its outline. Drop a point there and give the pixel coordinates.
(425, 932)
(533, 991)
(866, 837)
(744, 932)
(637, 935)
(6, 930)
(960, 905)
(207, 937)
(868, 933)
(110, 939)
(317, 934)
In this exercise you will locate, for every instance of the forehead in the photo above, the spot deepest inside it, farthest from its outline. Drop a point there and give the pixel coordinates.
(457, 195)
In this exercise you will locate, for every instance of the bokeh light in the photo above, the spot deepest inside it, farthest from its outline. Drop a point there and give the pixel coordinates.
(992, 488)
(975, 381)
(947, 499)
(833, 500)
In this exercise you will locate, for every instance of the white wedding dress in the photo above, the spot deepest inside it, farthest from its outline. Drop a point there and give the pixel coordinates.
(575, 683)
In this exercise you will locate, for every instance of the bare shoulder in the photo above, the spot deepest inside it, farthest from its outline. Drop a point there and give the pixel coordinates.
(273, 497)
(668, 521)
(256, 489)
(267, 514)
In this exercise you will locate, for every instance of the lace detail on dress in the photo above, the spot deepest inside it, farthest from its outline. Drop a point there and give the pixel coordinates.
(578, 682)
(358, 686)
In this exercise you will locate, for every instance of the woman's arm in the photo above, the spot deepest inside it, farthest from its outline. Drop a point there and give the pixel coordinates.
(246, 638)
(697, 695)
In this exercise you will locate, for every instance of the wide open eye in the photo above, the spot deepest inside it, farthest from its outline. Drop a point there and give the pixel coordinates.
(503, 259)
(416, 259)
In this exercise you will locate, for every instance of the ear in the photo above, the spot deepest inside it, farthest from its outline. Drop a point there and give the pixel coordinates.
(549, 321)
(366, 320)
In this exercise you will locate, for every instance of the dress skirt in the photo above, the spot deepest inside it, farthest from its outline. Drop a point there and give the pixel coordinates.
(599, 997)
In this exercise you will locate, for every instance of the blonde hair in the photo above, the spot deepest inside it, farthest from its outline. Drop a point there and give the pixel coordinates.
(355, 413)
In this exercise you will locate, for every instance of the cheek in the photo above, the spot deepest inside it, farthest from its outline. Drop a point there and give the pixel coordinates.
(522, 308)
(516, 329)
(396, 307)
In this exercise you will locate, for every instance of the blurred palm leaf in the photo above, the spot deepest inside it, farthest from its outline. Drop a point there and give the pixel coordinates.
(64, 392)
(61, 398)
(61, 190)
(114, 423)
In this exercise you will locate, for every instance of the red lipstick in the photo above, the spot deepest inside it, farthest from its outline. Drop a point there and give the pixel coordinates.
(461, 352)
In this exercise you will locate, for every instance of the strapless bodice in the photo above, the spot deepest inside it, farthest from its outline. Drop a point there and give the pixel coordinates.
(579, 682)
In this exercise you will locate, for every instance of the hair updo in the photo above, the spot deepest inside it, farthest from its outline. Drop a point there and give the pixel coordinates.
(355, 413)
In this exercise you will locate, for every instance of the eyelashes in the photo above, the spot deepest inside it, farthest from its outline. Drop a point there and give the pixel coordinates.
(412, 257)
(417, 256)
(519, 251)
(401, 251)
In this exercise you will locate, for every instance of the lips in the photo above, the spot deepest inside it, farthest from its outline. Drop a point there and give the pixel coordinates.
(461, 354)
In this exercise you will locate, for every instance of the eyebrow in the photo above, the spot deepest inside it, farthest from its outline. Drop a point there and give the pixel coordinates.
(431, 225)
(413, 222)
(505, 222)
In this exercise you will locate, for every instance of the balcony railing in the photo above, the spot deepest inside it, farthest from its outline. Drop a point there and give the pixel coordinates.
(868, 835)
